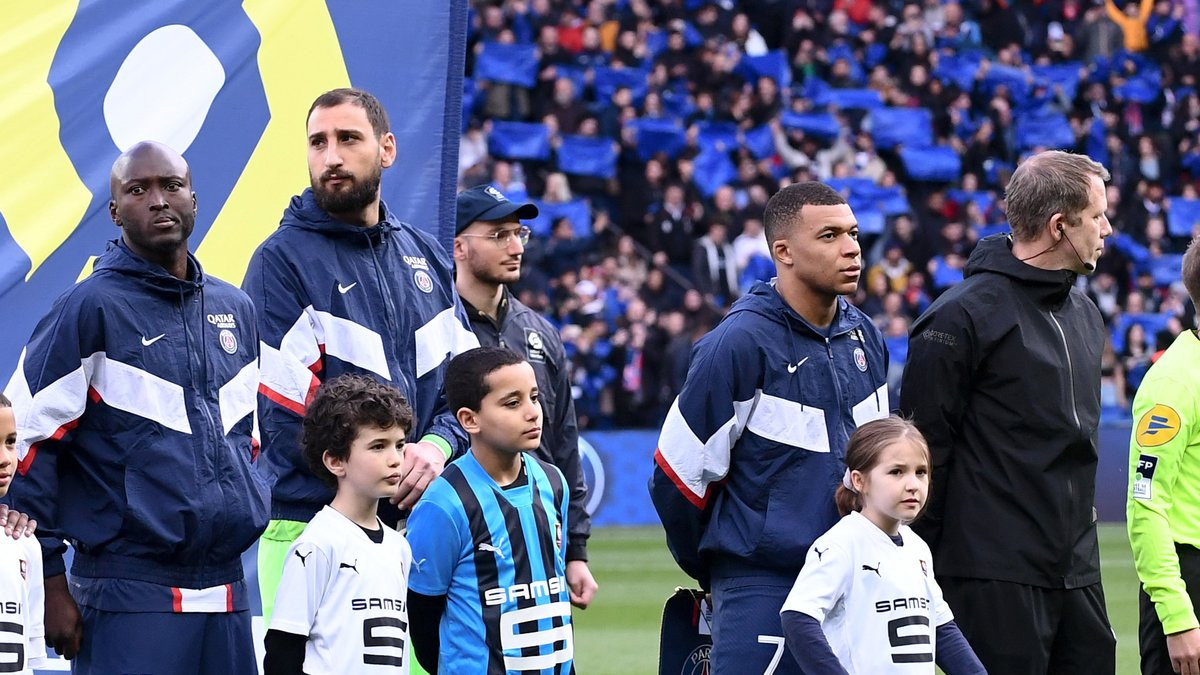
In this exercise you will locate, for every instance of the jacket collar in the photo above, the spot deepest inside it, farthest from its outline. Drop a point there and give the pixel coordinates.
(994, 254)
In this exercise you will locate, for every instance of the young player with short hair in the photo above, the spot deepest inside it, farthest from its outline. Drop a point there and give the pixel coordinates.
(22, 597)
(488, 589)
(866, 600)
(342, 605)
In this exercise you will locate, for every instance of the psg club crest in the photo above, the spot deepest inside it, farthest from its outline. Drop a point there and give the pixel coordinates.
(860, 359)
(424, 281)
(228, 341)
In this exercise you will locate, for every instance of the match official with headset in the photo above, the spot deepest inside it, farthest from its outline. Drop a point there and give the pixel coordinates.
(1003, 379)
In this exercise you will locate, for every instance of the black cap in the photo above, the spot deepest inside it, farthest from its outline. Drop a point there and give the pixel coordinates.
(485, 202)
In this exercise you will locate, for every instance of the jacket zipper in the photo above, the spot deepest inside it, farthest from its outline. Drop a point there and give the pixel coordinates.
(215, 434)
(1075, 414)
(837, 389)
(1070, 369)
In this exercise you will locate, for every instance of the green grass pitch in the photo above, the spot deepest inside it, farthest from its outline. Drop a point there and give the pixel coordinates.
(619, 632)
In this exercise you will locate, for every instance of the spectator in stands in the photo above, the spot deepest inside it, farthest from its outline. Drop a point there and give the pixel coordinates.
(1132, 20)
(752, 241)
(714, 265)
(893, 267)
(1135, 357)
(891, 48)
(564, 107)
(671, 234)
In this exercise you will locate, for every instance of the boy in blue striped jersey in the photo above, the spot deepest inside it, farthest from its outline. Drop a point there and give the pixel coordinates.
(488, 582)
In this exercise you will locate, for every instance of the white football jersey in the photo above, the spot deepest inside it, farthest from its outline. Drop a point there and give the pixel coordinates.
(22, 605)
(349, 595)
(877, 602)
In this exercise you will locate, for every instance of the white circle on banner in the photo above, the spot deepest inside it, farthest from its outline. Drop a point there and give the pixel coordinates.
(143, 105)
(593, 468)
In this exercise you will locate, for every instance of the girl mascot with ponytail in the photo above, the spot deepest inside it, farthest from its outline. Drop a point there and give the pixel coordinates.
(866, 600)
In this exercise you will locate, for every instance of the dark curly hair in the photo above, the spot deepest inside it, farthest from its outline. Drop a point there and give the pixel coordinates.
(341, 407)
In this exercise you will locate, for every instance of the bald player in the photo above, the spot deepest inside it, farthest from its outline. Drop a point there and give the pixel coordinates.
(135, 402)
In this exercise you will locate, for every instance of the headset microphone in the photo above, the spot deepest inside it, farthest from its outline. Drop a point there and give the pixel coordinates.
(1086, 265)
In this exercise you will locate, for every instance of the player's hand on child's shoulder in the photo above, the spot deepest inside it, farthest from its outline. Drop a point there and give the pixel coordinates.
(423, 461)
(16, 524)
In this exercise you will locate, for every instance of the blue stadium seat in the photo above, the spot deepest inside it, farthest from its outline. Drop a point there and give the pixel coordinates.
(1151, 324)
(937, 164)
(718, 135)
(852, 99)
(1126, 244)
(1065, 75)
(658, 135)
(989, 230)
(945, 276)
(760, 141)
(519, 140)
(577, 211)
(911, 127)
(1166, 269)
(1137, 89)
(511, 64)
(851, 186)
(607, 80)
(824, 125)
(1016, 79)
(871, 220)
(713, 169)
(774, 64)
(982, 198)
(958, 69)
(1182, 216)
(1046, 128)
(585, 156)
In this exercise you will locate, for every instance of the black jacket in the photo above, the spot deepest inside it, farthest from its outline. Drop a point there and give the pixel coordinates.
(529, 334)
(1003, 378)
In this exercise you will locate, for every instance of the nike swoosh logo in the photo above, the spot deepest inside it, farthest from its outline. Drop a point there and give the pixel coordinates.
(792, 367)
(147, 343)
(345, 289)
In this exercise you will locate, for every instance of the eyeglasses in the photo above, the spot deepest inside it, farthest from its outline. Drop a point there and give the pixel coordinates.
(502, 238)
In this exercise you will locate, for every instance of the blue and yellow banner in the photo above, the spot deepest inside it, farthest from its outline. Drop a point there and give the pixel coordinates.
(226, 83)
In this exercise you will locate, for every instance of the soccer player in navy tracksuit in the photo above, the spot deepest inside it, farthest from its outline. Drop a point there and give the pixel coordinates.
(488, 589)
(135, 403)
(344, 286)
(752, 450)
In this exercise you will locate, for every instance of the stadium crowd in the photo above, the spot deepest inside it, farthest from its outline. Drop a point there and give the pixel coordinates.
(652, 133)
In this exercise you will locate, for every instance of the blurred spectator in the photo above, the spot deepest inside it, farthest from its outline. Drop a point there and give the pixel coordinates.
(714, 265)
(893, 268)
(1132, 20)
(1135, 357)
(752, 241)
(712, 105)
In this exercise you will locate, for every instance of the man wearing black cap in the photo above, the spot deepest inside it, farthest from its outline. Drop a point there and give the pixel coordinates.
(488, 244)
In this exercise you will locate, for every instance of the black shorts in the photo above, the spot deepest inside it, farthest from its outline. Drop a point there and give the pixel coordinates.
(1151, 639)
(1027, 630)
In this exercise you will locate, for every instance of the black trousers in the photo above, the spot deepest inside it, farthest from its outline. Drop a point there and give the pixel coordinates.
(1151, 639)
(1027, 630)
